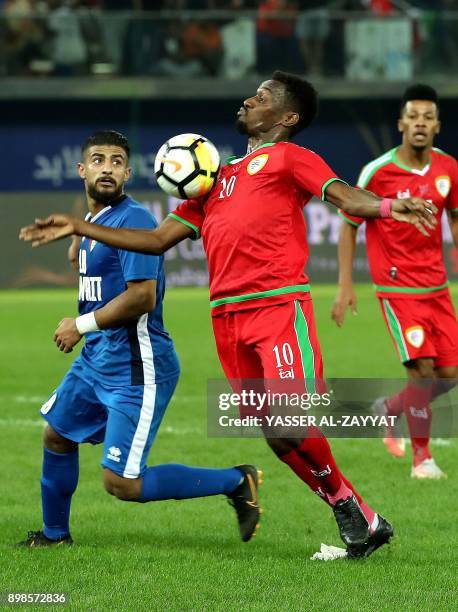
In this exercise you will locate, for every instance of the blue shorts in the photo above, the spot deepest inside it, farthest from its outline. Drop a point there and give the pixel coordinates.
(125, 419)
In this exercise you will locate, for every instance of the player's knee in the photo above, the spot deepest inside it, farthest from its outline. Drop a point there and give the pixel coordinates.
(424, 368)
(447, 378)
(125, 489)
(450, 373)
(280, 446)
(56, 443)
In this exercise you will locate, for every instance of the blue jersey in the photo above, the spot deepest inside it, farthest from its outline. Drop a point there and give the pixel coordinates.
(140, 351)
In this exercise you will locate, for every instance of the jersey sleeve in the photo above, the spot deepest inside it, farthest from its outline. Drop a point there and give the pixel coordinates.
(309, 171)
(137, 266)
(351, 219)
(452, 198)
(191, 213)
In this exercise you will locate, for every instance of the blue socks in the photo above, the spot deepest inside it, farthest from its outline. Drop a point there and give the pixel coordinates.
(171, 481)
(58, 483)
(175, 481)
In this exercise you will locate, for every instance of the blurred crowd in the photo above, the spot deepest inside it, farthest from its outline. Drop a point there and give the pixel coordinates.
(230, 38)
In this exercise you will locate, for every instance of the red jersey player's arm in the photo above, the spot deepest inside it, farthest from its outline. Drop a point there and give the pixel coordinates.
(355, 202)
(346, 251)
(154, 242)
(453, 222)
(361, 203)
(311, 174)
(452, 203)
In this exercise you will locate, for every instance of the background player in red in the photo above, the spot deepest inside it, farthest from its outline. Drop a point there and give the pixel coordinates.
(254, 235)
(408, 271)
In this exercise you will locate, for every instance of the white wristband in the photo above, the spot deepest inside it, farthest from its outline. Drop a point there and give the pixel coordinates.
(86, 323)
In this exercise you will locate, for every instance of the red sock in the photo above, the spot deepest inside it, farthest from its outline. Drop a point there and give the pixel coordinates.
(395, 403)
(419, 416)
(316, 450)
(317, 453)
(350, 486)
(302, 469)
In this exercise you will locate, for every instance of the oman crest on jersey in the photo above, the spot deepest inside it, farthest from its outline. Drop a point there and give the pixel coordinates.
(257, 163)
(443, 185)
(415, 335)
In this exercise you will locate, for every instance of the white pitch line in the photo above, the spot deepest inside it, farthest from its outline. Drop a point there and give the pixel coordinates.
(22, 423)
(39, 399)
(29, 399)
(436, 441)
(180, 431)
(40, 423)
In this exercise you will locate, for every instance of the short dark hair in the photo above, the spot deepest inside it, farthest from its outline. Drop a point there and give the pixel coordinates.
(302, 97)
(419, 92)
(106, 137)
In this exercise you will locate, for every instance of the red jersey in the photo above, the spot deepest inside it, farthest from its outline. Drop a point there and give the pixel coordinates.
(403, 262)
(253, 227)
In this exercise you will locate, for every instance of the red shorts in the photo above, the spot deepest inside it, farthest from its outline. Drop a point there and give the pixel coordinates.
(423, 328)
(272, 342)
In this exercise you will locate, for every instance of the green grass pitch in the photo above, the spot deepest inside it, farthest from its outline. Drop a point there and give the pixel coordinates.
(187, 555)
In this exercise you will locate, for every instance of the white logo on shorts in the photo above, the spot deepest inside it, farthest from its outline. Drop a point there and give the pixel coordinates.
(48, 404)
(114, 453)
(415, 336)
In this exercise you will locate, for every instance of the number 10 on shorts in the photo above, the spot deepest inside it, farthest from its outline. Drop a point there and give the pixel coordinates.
(284, 358)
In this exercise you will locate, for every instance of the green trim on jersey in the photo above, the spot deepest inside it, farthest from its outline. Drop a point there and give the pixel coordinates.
(437, 150)
(190, 225)
(408, 168)
(347, 220)
(233, 158)
(260, 294)
(326, 185)
(394, 289)
(371, 168)
(390, 157)
(305, 346)
(396, 331)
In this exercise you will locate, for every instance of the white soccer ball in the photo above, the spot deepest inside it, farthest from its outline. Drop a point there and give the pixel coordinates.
(187, 166)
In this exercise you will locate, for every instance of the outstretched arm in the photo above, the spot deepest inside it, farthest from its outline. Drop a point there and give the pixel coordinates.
(361, 203)
(154, 242)
(453, 222)
(345, 295)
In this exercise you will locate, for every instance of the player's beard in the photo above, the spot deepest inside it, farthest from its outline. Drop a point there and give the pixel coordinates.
(420, 148)
(103, 197)
(241, 126)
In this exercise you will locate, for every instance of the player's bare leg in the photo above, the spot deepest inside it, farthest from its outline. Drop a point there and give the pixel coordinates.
(393, 437)
(311, 459)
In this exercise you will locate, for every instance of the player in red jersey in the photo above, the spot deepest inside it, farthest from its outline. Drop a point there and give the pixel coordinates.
(254, 235)
(408, 272)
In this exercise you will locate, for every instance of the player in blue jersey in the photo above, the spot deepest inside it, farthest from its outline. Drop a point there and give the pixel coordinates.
(117, 390)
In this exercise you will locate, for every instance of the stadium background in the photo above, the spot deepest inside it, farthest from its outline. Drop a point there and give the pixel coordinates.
(72, 67)
(152, 69)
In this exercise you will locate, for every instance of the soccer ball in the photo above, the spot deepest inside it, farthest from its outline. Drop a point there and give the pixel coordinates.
(186, 166)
